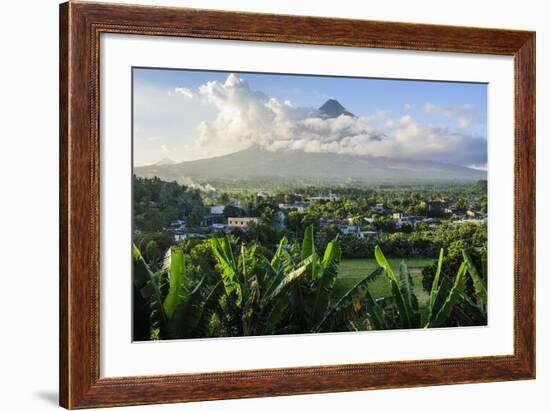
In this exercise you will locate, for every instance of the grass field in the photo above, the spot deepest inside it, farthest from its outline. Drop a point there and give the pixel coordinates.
(352, 271)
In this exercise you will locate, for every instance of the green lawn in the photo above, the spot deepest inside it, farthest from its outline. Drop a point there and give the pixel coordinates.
(352, 271)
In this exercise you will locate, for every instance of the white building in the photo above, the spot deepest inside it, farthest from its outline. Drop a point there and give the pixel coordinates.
(299, 206)
(330, 197)
(348, 229)
(367, 234)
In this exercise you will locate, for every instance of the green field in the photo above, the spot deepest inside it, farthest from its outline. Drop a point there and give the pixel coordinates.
(352, 271)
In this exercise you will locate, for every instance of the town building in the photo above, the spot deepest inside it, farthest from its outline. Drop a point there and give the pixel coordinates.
(348, 229)
(242, 223)
(378, 209)
(330, 197)
(299, 206)
(367, 235)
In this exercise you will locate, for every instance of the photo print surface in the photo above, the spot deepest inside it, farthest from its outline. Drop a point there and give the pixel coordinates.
(271, 204)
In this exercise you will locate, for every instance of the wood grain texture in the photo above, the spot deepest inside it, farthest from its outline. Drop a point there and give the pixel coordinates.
(80, 27)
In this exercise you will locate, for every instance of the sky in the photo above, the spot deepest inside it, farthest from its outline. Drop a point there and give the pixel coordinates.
(185, 115)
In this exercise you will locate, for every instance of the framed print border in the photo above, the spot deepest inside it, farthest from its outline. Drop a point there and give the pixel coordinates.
(81, 24)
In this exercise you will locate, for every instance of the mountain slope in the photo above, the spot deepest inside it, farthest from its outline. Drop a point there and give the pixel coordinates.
(257, 163)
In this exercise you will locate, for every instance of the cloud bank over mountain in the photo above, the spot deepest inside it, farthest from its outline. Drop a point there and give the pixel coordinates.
(247, 117)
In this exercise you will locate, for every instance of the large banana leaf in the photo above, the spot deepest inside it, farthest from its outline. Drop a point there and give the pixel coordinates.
(484, 267)
(147, 283)
(308, 244)
(376, 312)
(224, 256)
(308, 250)
(273, 305)
(187, 313)
(250, 316)
(403, 308)
(347, 298)
(407, 290)
(288, 280)
(325, 284)
(243, 280)
(279, 269)
(277, 260)
(210, 296)
(453, 297)
(479, 284)
(435, 284)
(176, 292)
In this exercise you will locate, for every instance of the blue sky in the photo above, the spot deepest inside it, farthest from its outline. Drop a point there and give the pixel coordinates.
(169, 127)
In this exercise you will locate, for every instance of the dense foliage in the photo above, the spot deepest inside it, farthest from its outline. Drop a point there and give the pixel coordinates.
(246, 291)
(195, 275)
(157, 202)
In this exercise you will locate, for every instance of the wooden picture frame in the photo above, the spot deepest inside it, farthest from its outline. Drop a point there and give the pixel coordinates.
(80, 27)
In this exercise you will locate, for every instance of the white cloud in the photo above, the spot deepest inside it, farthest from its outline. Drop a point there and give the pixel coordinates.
(184, 91)
(462, 114)
(246, 117)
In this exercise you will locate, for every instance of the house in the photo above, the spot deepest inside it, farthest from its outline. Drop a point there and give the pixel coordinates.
(378, 209)
(242, 223)
(263, 194)
(185, 236)
(471, 221)
(412, 219)
(280, 220)
(367, 235)
(217, 210)
(330, 197)
(348, 229)
(473, 213)
(299, 206)
(177, 225)
(397, 216)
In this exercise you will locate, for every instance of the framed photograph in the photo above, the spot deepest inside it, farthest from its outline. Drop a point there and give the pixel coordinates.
(259, 205)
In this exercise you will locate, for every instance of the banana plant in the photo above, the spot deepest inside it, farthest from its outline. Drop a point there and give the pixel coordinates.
(345, 306)
(283, 295)
(320, 310)
(183, 312)
(147, 284)
(480, 284)
(257, 294)
(252, 295)
(445, 294)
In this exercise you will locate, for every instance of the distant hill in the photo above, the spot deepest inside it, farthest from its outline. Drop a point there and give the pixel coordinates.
(165, 161)
(256, 163)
